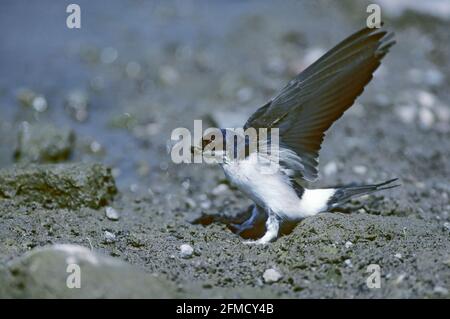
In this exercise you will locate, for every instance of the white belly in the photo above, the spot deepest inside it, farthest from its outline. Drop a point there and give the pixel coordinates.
(267, 190)
(274, 191)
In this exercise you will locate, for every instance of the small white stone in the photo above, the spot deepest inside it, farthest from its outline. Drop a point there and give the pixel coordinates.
(426, 117)
(110, 237)
(434, 77)
(360, 169)
(108, 55)
(348, 263)
(133, 69)
(205, 205)
(95, 147)
(186, 184)
(406, 113)
(40, 104)
(134, 188)
(190, 202)
(186, 251)
(168, 75)
(220, 189)
(330, 168)
(272, 275)
(447, 226)
(348, 244)
(398, 255)
(111, 213)
(426, 99)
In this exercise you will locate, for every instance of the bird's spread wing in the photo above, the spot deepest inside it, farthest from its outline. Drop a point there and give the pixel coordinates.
(309, 104)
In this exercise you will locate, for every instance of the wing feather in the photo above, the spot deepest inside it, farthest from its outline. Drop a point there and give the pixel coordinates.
(310, 103)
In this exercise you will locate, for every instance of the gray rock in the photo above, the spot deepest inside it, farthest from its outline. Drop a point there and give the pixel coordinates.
(39, 143)
(51, 272)
(440, 290)
(59, 185)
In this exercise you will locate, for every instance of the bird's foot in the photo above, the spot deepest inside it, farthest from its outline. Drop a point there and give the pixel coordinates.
(272, 226)
(239, 228)
(249, 223)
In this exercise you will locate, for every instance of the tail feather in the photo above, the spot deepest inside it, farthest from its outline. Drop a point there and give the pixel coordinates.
(344, 193)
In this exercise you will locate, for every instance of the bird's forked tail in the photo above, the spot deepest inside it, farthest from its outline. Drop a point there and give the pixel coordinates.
(344, 193)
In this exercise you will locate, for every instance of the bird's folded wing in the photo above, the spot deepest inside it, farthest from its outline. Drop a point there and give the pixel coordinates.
(308, 105)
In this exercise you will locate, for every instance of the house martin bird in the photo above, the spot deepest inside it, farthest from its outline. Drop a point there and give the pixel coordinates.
(302, 112)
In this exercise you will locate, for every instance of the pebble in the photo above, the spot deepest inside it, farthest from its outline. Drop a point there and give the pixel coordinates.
(360, 169)
(272, 275)
(434, 77)
(348, 244)
(108, 55)
(110, 237)
(219, 189)
(426, 117)
(95, 147)
(168, 75)
(133, 69)
(398, 255)
(111, 213)
(190, 202)
(330, 168)
(205, 205)
(406, 113)
(348, 263)
(186, 251)
(40, 104)
(426, 99)
(440, 290)
(77, 105)
(447, 226)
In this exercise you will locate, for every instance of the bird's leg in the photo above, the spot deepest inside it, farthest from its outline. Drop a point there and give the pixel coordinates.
(249, 222)
(272, 228)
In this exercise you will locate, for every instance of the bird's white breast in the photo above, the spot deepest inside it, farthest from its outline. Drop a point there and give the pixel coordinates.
(272, 190)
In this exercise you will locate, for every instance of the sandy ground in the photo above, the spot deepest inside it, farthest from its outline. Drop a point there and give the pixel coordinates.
(112, 93)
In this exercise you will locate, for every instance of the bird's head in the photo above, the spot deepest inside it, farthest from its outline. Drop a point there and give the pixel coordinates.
(219, 145)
